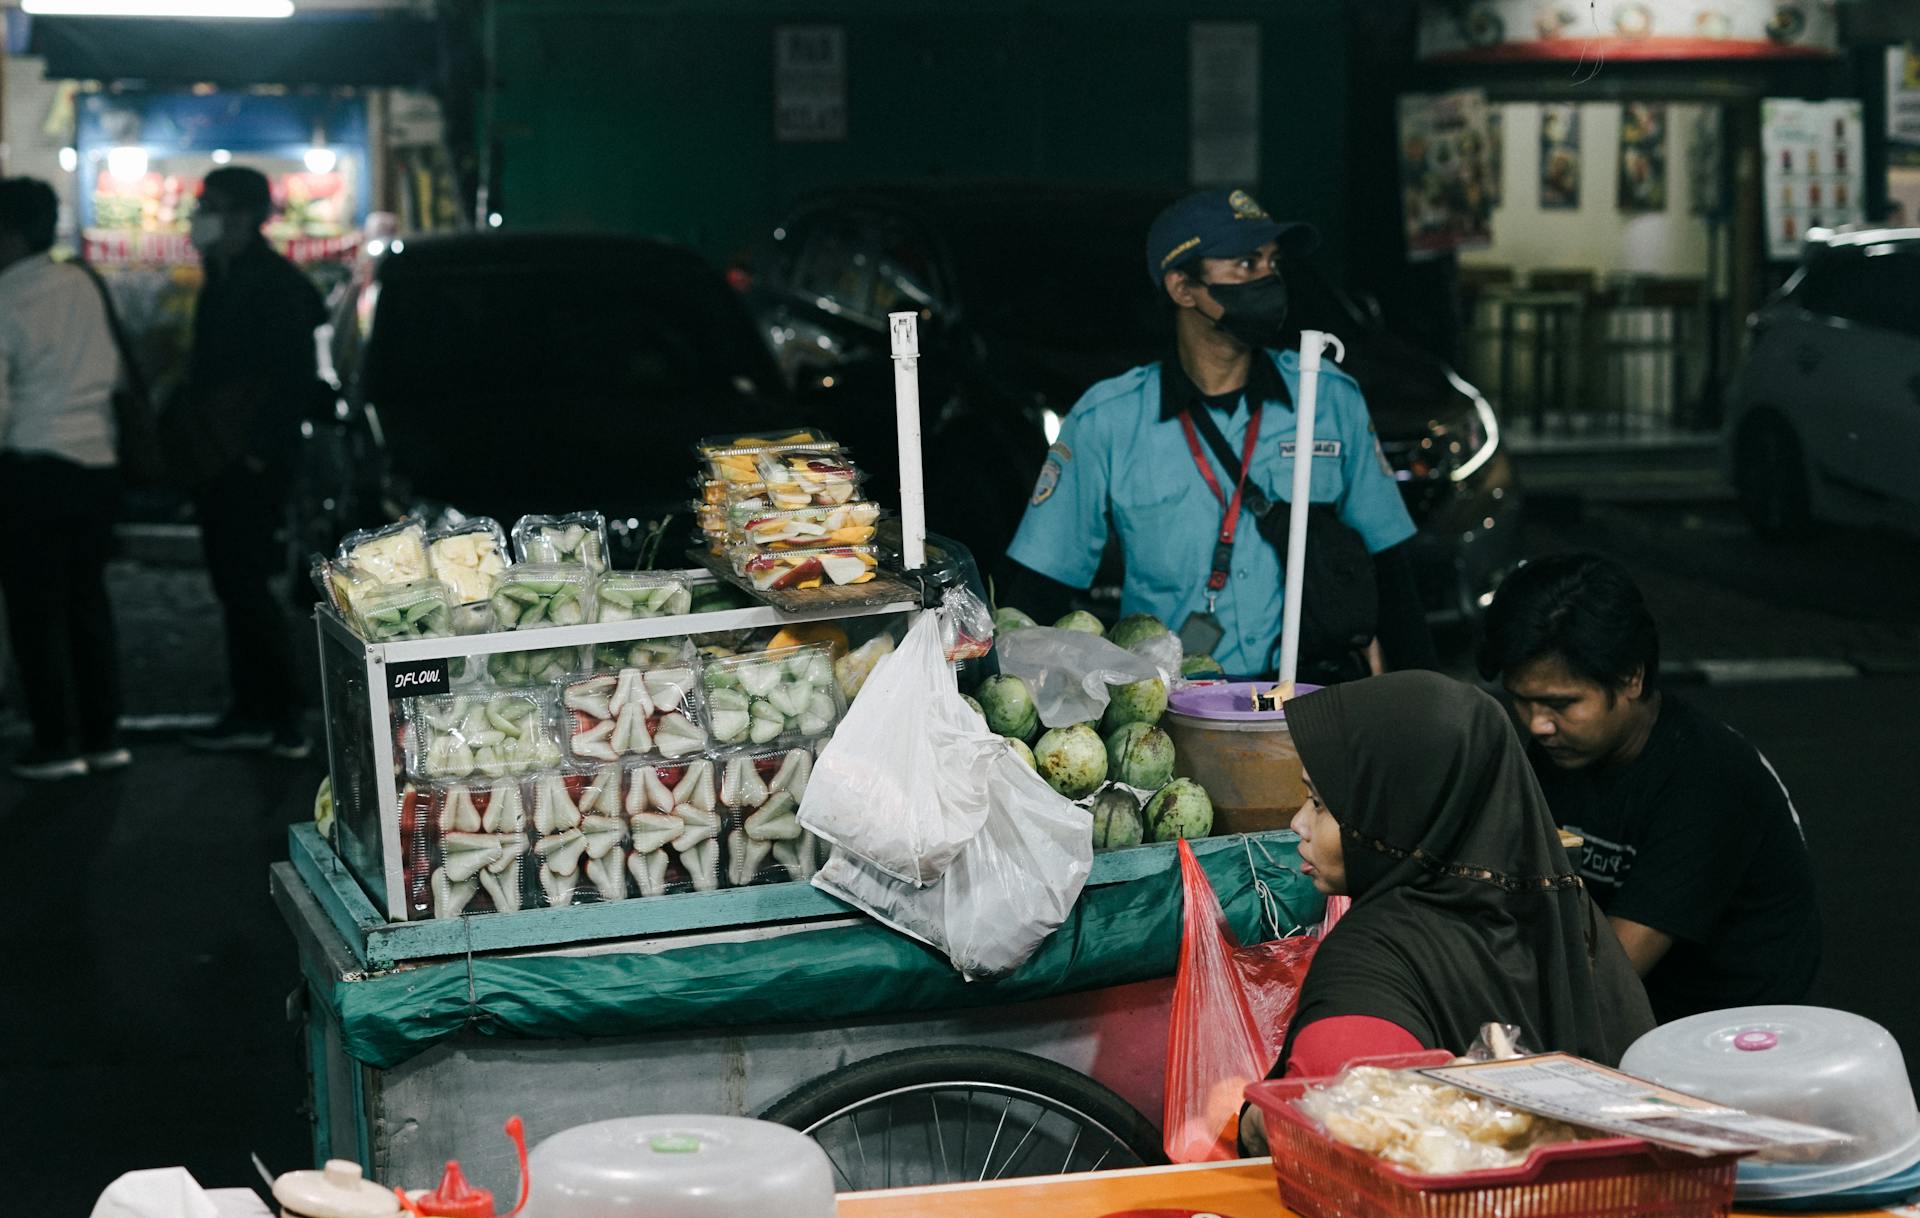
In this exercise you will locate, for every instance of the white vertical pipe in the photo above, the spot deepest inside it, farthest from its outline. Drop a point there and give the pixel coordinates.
(1311, 342)
(904, 330)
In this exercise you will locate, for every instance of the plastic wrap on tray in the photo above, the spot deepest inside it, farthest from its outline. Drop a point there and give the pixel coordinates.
(534, 595)
(673, 651)
(580, 843)
(807, 528)
(472, 843)
(1412, 1121)
(539, 666)
(578, 539)
(343, 587)
(395, 613)
(798, 570)
(460, 736)
(396, 554)
(625, 596)
(733, 458)
(633, 713)
(468, 557)
(760, 795)
(774, 695)
(673, 813)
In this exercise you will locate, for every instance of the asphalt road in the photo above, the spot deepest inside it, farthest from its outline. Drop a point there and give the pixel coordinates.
(145, 1023)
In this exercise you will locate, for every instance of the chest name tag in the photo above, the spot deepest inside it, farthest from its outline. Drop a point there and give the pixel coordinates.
(1321, 448)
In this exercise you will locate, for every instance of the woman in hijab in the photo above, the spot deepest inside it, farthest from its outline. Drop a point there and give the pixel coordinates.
(1466, 910)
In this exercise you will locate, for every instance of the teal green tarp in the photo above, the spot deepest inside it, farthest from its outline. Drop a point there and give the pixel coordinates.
(1118, 933)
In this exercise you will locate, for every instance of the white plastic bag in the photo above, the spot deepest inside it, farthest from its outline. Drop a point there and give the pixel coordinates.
(1010, 888)
(903, 783)
(1069, 672)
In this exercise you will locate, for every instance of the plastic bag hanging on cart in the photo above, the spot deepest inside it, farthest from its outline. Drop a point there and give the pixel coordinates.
(902, 786)
(1069, 672)
(1011, 887)
(1232, 1006)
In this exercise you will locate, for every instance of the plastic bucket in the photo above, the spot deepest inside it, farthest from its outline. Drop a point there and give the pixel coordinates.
(1243, 757)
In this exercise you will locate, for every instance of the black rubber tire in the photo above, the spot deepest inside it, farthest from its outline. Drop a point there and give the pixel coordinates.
(814, 1101)
(1770, 474)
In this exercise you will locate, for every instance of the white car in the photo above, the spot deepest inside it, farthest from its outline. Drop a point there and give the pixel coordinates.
(1823, 420)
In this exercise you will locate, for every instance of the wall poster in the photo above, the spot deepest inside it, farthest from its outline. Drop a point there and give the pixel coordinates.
(1643, 157)
(809, 84)
(1559, 157)
(1813, 178)
(1444, 172)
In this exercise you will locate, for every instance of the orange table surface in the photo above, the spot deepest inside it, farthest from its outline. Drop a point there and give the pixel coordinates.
(1242, 1189)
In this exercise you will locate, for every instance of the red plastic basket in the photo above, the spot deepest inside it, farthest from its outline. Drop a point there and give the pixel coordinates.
(1604, 1178)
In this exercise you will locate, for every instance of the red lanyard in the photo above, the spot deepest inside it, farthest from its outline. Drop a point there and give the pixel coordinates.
(1223, 548)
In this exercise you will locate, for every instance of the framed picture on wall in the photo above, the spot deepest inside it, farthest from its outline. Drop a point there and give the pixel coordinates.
(1705, 166)
(1643, 157)
(1559, 157)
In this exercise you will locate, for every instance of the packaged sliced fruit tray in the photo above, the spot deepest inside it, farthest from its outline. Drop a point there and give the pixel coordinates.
(579, 538)
(733, 458)
(824, 478)
(625, 596)
(672, 652)
(343, 587)
(396, 554)
(463, 736)
(799, 569)
(775, 695)
(422, 609)
(739, 499)
(674, 816)
(760, 794)
(532, 595)
(807, 528)
(541, 666)
(470, 844)
(468, 557)
(632, 714)
(580, 835)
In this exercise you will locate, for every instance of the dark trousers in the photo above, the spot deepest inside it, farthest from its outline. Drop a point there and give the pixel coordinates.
(56, 532)
(240, 512)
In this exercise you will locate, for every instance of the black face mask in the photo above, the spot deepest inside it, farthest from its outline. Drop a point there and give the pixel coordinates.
(1252, 312)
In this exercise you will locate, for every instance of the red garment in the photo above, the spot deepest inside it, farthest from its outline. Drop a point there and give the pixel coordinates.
(1325, 1046)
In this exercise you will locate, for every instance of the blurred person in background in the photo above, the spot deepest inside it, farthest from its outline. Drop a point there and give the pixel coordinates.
(231, 435)
(59, 489)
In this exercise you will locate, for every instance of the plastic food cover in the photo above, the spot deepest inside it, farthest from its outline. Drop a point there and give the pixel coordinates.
(579, 538)
(468, 557)
(396, 554)
(680, 1167)
(532, 595)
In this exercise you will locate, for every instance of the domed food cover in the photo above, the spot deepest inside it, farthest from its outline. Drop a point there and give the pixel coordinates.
(680, 1167)
(1807, 1064)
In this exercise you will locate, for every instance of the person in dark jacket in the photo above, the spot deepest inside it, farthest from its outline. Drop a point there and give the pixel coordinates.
(232, 434)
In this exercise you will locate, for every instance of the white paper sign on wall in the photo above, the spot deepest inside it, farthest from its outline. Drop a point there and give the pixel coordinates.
(809, 84)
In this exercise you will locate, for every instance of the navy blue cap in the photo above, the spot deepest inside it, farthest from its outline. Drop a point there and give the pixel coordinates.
(1219, 224)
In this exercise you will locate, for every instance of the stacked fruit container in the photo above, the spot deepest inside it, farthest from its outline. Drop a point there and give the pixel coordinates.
(787, 512)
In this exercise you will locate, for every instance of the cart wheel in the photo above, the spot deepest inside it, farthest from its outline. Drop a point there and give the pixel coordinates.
(954, 1113)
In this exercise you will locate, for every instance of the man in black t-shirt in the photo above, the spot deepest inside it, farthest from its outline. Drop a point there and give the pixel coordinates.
(1693, 847)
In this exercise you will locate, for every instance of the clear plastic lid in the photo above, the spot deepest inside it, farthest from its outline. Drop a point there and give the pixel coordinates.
(580, 843)
(468, 557)
(624, 596)
(735, 458)
(680, 1167)
(1808, 1064)
(778, 437)
(579, 538)
(807, 528)
(674, 816)
(537, 666)
(422, 609)
(472, 847)
(396, 554)
(760, 794)
(739, 499)
(670, 652)
(532, 595)
(486, 735)
(798, 570)
(774, 695)
(632, 714)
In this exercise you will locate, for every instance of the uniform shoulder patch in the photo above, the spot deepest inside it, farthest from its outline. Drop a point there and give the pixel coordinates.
(1049, 479)
(1061, 451)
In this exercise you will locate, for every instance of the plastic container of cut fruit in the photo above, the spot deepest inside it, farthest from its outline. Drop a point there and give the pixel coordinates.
(578, 538)
(579, 851)
(633, 713)
(491, 736)
(343, 587)
(733, 458)
(395, 613)
(807, 528)
(532, 595)
(538, 666)
(472, 847)
(798, 570)
(798, 479)
(1319, 1177)
(675, 823)
(785, 695)
(670, 652)
(396, 554)
(625, 596)
(468, 557)
(760, 793)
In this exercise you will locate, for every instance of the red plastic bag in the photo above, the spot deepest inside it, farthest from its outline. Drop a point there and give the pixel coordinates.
(1231, 1009)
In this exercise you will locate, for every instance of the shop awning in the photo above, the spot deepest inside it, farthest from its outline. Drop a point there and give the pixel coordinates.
(325, 49)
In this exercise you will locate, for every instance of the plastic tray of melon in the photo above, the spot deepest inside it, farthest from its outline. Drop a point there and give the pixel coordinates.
(633, 713)
(762, 698)
(580, 835)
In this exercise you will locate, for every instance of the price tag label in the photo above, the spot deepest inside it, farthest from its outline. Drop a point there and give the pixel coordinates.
(412, 678)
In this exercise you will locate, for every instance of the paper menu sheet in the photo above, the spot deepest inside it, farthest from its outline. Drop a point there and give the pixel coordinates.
(1582, 1093)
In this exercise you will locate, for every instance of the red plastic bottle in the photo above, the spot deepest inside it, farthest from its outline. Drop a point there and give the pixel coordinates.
(455, 1198)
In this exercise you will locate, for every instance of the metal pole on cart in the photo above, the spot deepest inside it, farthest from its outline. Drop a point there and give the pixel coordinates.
(904, 329)
(1311, 344)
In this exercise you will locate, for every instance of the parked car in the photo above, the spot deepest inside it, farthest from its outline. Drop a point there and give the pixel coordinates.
(1826, 408)
(503, 374)
(1028, 295)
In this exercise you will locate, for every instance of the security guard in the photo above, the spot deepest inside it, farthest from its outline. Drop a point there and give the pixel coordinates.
(1131, 459)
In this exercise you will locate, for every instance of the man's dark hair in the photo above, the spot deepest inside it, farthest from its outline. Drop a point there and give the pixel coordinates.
(29, 207)
(242, 188)
(1582, 608)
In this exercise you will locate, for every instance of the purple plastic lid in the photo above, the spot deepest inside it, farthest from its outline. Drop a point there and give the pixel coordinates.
(1228, 700)
(1756, 1041)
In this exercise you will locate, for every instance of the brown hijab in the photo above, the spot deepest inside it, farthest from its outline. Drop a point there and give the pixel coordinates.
(1465, 907)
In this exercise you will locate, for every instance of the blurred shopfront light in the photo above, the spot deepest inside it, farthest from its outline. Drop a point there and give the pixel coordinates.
(222, 157)
(320, 160)
(158, 8)
(127, 163)
(493, 221)
(69, 160)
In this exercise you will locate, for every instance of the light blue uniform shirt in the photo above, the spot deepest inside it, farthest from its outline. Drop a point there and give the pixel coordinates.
(1120, 466)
